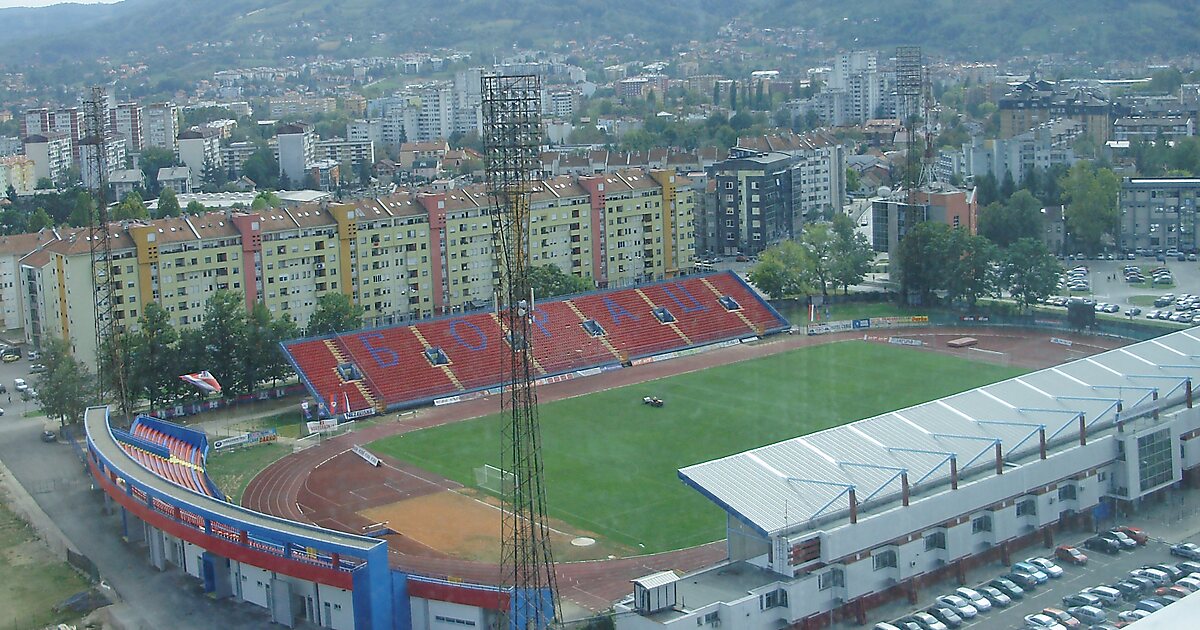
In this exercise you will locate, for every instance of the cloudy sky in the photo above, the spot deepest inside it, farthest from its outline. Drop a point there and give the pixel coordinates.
(5, 4)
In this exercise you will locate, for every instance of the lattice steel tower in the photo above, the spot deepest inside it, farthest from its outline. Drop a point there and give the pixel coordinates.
(111, 370)
(909, 87)
(511, 135)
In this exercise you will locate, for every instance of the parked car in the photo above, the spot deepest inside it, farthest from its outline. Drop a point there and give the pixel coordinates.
(974, 597)
(1147, 585)
(946, 615)
(1125, 541)
(20, 385)
(33, 355)
(1037, 574)
(1138, 534)
(1149, 606)
(1172, 591)
(1042, 622)
(1008, 587)
(1108, 595)
(1187, 566)
(959, 605)
(1128, 590)
(1061, 617)
(1106, 545)
(1046, 566)
(909, 623)
(1190, 583)
(884, 626)
(1024, 580)
(1070, 555)
(1130, 616)
(996, 596)
(1158, 578)
(37, 368)
(1173, 572)
(928, 621)
(1082, 599)
(1088, 614)
(1188, 550)
(48, 436)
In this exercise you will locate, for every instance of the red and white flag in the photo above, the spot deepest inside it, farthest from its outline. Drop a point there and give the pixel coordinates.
(202, 380)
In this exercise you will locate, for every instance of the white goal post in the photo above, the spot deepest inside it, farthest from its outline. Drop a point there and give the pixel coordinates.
(494, 480)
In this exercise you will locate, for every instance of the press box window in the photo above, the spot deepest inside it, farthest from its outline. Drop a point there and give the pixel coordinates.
(885, 560)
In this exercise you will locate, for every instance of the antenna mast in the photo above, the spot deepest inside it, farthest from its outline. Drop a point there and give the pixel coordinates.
(111, 369)
(511, 135)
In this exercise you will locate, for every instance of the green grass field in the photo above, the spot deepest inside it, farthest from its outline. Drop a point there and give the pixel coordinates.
(232, 471)
(611, 461)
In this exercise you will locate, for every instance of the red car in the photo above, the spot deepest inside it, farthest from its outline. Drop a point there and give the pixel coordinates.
(1070, 555)
(1138, 535)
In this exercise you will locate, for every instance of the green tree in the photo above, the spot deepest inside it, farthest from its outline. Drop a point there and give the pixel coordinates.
(282, 329)
(1028, 272)
(261, 348)
(265, 200)
(39, 220)
(549, 281)
(66, 387)
(168, 204)
(1005, 223)
(131, 207)
(263, 169)
(1091, 195)
(852, 254)
(968, 272)
(224, 332)
(84, 211)
(922, 260)
(335, 313)
(818, 240)
(853, 181)
(151, 160)
(154, 356)
(195, 207)
(212, 176)
(783, 269)
(44, 183)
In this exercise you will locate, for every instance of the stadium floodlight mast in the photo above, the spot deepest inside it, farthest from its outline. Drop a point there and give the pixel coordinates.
(511, 139)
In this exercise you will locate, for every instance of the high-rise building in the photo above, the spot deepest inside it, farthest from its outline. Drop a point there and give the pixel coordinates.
(296, 151)
(51, 153)
(200, 150)
(1034, 102)
(126, 119)
(160, 123)
(35, 121)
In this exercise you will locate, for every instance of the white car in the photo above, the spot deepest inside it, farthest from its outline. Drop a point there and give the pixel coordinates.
(959, 605)
(1047, 567)
(20, 385)
(976, 598)
(1042, 622)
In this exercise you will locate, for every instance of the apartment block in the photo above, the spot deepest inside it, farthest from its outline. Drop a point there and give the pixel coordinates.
(1034, 102)
(19, 172)
(51, 153)
(343, 151)
(1159, 213)
(404, 257)
(200, 149)
(126, 119)
(160, 123)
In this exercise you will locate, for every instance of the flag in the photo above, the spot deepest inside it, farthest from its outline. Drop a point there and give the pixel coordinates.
(202, 380)
(346, 400)
(333, 404)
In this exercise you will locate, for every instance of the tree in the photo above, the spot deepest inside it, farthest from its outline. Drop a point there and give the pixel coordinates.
(168, 204)
(852, 254)
(84, 212)
(853, 181)
(922, 255)
(263, 169)
(783, 269)
(195, 207)
(1029, 272)
(818, 242)
(264, 200)
(968, 273)
(66, 387)
(335, 313)
(1091, 195)
(211, 176)
(39, 220)
(261, 348)
(151, 160)
(1005, 223)
(44, 183)
(549, 281)
(224, 332)
(154, 356)
(11, 193)
(282, 329)
(131, 207)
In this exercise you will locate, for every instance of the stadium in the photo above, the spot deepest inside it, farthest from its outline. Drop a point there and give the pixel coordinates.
(393, 526)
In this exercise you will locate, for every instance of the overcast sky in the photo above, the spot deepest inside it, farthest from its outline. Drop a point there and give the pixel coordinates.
(5, 4)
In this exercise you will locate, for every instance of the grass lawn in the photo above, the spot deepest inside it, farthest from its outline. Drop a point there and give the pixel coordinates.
(32, 580)
(232, 471)
(611, 461)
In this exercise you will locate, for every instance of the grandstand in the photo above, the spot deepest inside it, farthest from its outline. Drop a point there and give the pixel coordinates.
(407, 365)
(175, 453)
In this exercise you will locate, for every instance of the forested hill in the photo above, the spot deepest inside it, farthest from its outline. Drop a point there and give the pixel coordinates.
(269, 30)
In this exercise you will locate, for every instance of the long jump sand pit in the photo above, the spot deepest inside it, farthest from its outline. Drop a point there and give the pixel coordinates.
(466, 525)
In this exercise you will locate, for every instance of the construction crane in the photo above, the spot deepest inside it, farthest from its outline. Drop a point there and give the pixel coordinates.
(111, 368)
(511, 135)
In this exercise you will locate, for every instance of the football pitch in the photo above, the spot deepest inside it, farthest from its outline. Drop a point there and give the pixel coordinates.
(611, 461)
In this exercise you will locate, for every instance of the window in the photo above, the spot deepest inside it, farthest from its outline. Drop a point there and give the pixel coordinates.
(981, 524)
(884, 559)
(935, 540)
(774, 599)
(1155, 464)
(830, 579)
(454, 621)
(1028, 507)
(1067, 492)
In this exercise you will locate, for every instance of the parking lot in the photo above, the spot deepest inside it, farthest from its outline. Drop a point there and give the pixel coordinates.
(1101, 570)
(1106, 280)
